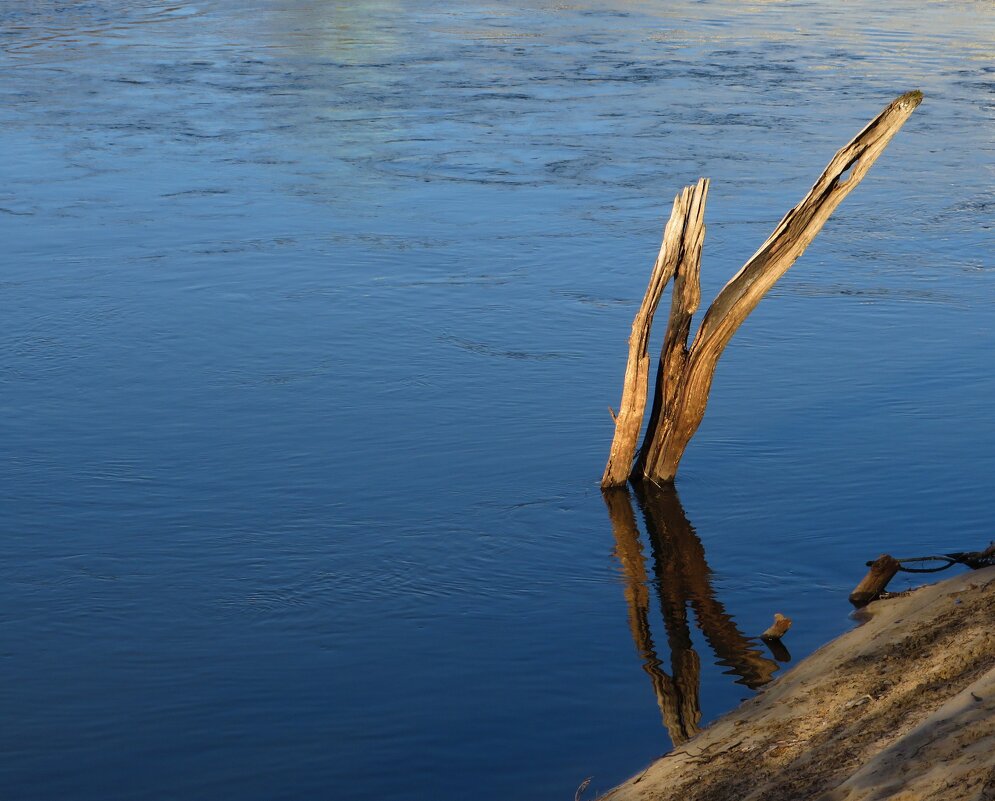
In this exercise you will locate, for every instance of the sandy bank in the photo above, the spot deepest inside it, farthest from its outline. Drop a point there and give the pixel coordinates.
(901, 708)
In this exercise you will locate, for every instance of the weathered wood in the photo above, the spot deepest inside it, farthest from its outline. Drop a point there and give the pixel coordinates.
(684, 302)
(777, 629)
(745, 290)
(883, 570)
(672, 255)
(685, 373)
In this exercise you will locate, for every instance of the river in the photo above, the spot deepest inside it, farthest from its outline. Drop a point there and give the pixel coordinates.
(311, 316)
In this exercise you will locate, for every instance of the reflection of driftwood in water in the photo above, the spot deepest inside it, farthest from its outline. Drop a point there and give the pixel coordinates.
(678, 701)
(681, 578)
(683, 657)
(674, 542)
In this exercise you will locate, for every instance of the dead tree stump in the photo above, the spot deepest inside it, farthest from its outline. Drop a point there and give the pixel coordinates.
(684, 373)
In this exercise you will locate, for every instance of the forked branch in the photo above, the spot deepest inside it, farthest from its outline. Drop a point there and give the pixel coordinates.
(684, 376)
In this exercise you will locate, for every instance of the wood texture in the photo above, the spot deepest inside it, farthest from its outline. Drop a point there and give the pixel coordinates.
(686, 249)
(883, 570)
(685, 373)
(778, 628)
(672, 255)
(745, 290)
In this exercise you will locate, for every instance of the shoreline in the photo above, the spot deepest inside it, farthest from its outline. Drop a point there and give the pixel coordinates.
(901, 707)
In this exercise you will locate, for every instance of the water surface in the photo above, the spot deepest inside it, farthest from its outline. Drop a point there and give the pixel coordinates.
(311, 315)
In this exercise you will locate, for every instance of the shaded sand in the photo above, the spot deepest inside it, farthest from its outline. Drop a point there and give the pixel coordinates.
(901, 708)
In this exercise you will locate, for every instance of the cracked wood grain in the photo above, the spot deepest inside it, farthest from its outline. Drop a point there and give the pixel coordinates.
(685, 373)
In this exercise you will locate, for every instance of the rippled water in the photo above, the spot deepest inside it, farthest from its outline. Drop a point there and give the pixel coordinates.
(311, 315)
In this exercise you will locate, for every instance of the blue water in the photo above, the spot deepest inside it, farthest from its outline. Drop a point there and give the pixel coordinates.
(311, 313)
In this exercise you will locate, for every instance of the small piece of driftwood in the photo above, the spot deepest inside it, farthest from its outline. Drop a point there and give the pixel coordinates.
(883, 570)
(685, 371)
(777, 629)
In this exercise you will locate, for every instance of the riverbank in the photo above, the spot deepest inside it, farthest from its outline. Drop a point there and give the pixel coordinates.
(902, 707)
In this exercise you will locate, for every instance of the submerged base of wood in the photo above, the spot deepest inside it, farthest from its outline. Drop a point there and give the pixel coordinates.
(902, 707)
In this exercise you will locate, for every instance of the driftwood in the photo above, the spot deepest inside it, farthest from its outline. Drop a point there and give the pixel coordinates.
(901, 707)
(688, 211)
(883, 570)
(684, 374)
(777, 629)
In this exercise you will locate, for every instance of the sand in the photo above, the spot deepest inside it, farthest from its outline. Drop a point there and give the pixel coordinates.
(900, 708)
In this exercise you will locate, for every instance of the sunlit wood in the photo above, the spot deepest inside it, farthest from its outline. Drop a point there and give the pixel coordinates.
(673, 253)
(685, 373)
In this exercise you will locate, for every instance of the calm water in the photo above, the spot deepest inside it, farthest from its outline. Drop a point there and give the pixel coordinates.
(311, 313)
